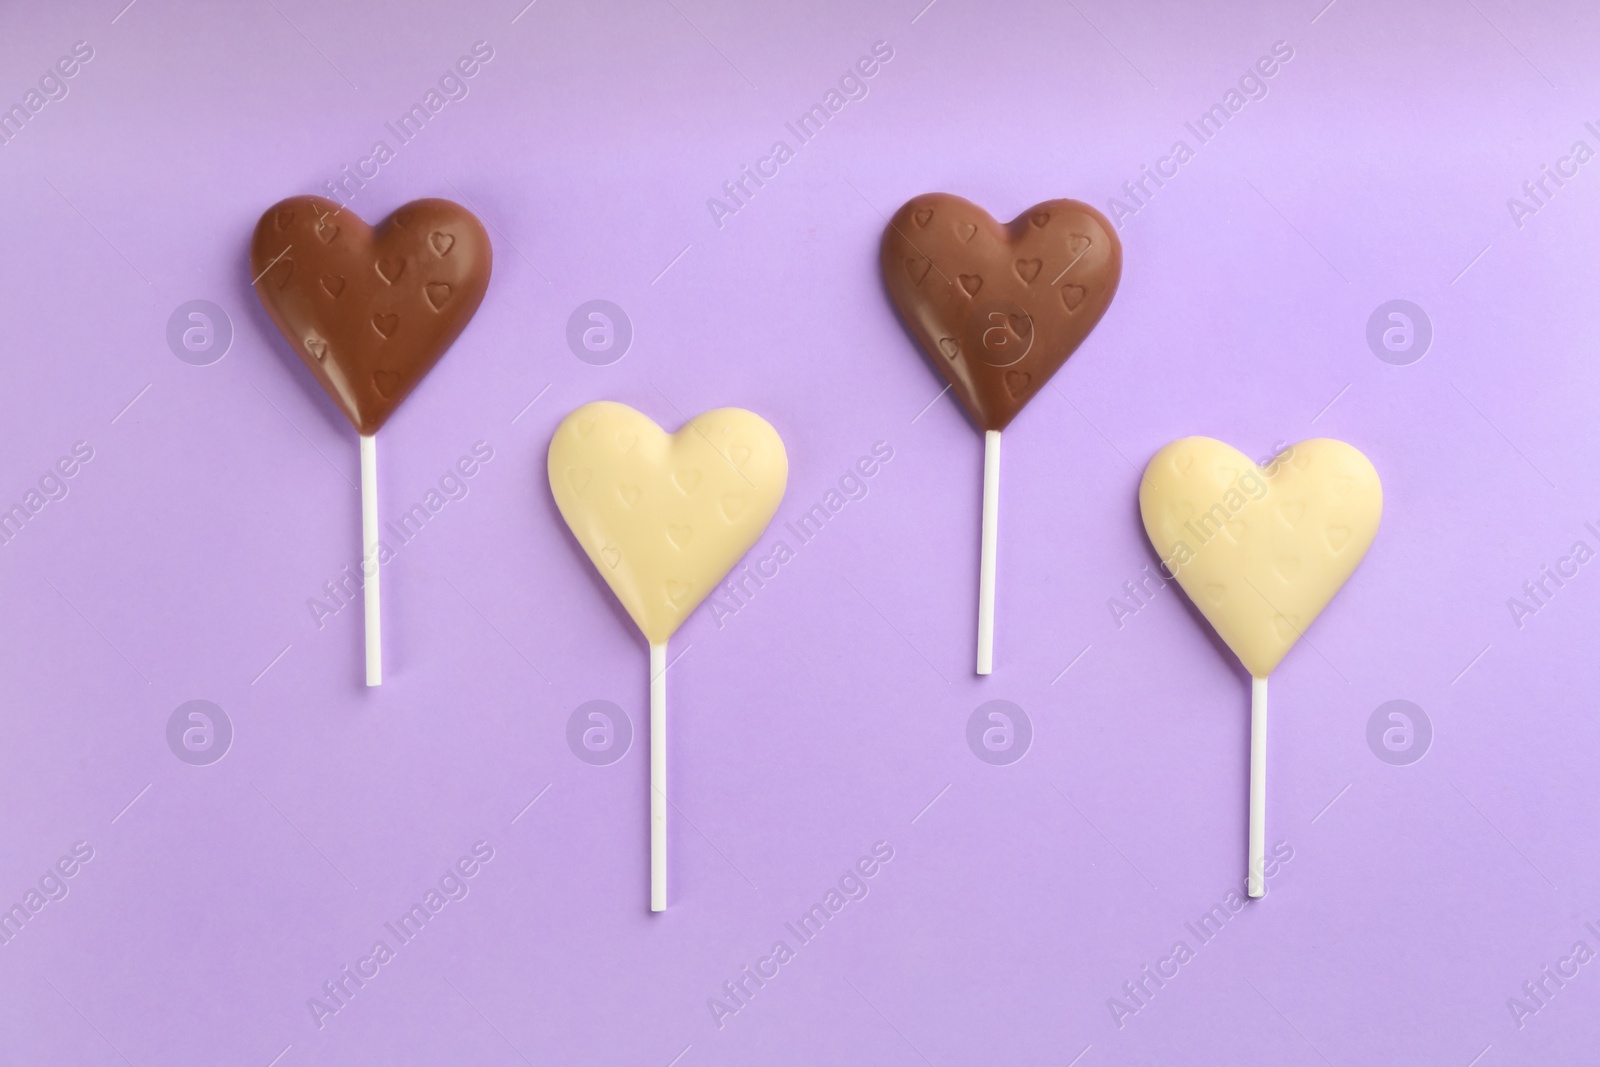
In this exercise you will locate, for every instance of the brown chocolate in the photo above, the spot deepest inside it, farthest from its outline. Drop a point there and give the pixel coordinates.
(370, 310)
(998, 309)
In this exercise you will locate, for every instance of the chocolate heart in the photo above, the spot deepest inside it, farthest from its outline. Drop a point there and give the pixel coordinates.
(370, 310)
(1292, 539)
(665, 517)
(997, 308)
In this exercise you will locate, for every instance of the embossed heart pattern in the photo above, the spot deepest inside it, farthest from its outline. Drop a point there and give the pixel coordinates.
(369, 310)
(665, 517)
(1260, 552)
(998, 308)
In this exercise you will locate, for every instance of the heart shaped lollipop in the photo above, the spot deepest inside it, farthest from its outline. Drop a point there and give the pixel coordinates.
(663, 518)
(369, 311)
(998, 309)
(1261, 553)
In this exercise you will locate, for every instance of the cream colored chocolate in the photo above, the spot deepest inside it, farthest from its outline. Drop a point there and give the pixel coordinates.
(662, 517)
(1260, 552)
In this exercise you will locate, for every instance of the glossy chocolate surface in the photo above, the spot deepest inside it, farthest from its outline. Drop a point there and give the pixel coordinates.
(370, 309)
(999, 308)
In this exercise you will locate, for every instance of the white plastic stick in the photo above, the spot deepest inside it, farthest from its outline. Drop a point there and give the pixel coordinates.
(1258, 785)
(991, 534)
(369, 556)
(658, 776)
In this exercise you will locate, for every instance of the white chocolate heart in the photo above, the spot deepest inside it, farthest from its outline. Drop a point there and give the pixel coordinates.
(1260, 552)
(665, 517)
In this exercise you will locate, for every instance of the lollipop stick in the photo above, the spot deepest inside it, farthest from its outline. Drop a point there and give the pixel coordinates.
(991, 535)
(369, 556)
(1258, 785)
(658, 776)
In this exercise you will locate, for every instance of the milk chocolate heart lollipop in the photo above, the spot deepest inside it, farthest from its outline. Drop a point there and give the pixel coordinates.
(369, 311)
(1260, 552)
(663, 519)
(998, 309)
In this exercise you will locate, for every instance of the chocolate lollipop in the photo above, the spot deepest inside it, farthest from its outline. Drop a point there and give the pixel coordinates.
(1260, 552)
(663, 519)
(369, 311)
(998, 309)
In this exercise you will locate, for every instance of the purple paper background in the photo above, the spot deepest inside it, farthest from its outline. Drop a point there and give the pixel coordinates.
(829, 712)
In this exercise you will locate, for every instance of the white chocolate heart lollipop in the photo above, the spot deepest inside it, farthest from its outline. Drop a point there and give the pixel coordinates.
(1260, 552)
(664, 518)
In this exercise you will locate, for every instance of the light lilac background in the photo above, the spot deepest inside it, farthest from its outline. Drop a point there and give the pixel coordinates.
(827, 714)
